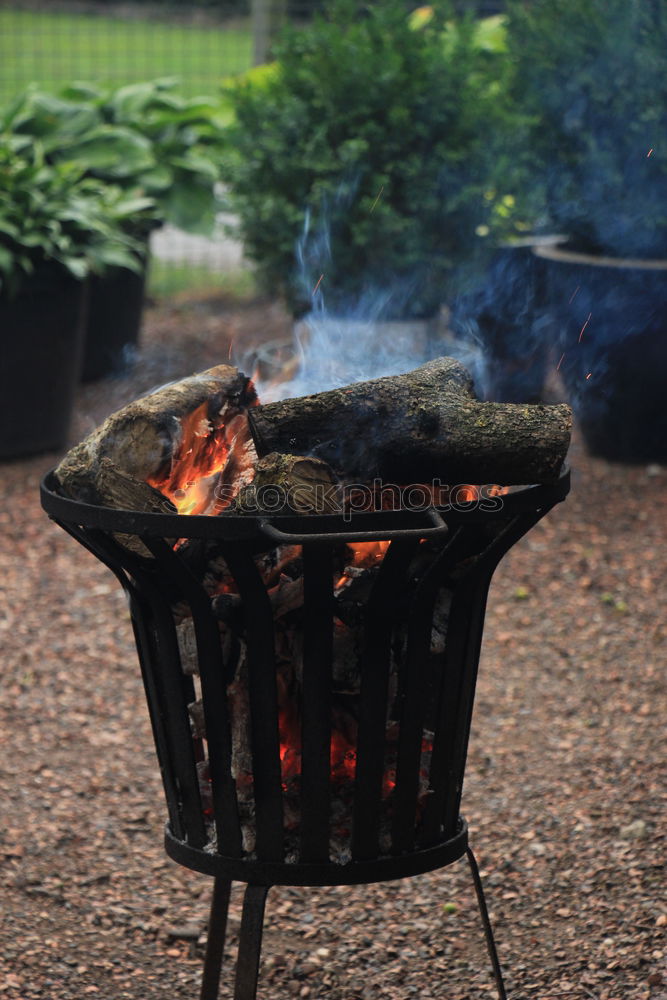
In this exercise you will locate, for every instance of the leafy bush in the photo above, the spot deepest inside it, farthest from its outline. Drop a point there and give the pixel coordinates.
(369, 146)
(593, 76)
(143, 137)
(52, 216)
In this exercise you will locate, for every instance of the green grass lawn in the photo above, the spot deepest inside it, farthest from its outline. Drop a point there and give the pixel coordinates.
(53, 48)
(168, 280)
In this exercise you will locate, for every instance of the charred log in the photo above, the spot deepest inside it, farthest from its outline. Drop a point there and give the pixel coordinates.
(284, 484)
(142, 439)
(416, 427)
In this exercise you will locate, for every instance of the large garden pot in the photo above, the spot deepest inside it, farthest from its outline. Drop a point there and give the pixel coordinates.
(611, 345)
(499, 327)
(114, 322)
(41, 342)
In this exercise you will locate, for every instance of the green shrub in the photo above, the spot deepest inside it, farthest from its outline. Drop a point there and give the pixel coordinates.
(371, 147)
(592, 74)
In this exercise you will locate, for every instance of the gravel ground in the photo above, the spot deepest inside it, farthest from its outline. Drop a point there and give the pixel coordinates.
(565, 788)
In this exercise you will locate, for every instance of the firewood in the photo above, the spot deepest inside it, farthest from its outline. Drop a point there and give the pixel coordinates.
(286, 596)
(290, 484)
(197, 720)
(417, 427)
(142, 439)
(114, 488)
(187, 647)
(118, 489)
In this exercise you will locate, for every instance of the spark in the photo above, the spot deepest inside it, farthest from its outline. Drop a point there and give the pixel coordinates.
(588, 376)
(562, 358)
(377, 197)
(649, 152)
(319, 281)
(574, 293)
(584, 327)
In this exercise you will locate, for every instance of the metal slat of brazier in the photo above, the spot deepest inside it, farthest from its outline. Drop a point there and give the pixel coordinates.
(376, 664)
(212, 673)
(481, 553)
(316, 705)
(169, 689)
(110, 553)
(412, 709)
(174, 692)
(263, 700)
(468, 581)
(415, 684)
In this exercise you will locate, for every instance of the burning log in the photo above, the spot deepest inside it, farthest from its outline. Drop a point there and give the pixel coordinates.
(119, 489)
(286, 596)
(160, 439)
(111, 487)
(414, 427)
(292, 484)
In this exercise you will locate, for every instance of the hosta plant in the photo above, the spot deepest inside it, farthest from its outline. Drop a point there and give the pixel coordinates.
(145, 138)
(54, 217)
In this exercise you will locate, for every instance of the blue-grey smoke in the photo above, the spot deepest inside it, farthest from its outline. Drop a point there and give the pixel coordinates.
(357, 339)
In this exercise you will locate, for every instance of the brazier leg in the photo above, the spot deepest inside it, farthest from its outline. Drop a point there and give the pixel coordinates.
(215, 944)
(250, 942)
(488, 932)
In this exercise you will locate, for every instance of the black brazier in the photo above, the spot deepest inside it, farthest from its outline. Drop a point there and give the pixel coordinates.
(411, 705)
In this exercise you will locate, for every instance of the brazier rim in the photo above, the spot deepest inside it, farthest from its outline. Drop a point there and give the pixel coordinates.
(247, 527)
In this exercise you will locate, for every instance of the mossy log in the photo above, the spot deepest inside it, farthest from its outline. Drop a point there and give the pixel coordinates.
(290, 484)
(414, 428)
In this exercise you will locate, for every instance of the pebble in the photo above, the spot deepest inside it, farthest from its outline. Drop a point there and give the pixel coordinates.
(633, 831)
(183, 932)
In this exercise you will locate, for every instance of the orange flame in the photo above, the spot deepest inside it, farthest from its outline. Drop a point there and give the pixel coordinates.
(366, 554)
(202, 452)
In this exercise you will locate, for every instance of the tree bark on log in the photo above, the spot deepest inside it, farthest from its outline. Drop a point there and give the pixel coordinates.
(290, 484)
(141, 440)
(122, 491)
(416, 427)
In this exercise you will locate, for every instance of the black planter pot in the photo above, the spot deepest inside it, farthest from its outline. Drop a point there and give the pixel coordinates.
(502, 326)
(41, 342)
(611, 342)
(114, 322)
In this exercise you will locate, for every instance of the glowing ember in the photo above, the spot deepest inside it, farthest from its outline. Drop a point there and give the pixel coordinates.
(342, 755)
(342, 758)
(366, 554)
(562, 358)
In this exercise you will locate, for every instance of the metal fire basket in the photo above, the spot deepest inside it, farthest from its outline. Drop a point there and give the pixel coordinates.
(391, 836)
